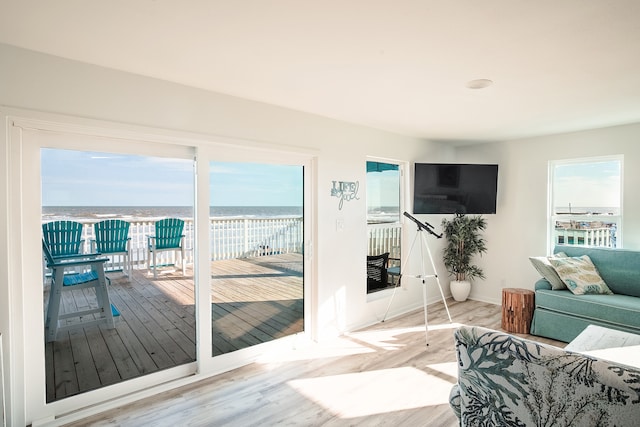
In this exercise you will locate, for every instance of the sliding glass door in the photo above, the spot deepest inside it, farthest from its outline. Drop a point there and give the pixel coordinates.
(152, 313)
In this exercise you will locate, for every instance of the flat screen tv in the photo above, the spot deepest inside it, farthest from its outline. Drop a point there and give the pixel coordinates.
(445, 188)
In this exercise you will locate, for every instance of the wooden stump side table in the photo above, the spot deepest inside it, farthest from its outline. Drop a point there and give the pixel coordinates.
(517, 310)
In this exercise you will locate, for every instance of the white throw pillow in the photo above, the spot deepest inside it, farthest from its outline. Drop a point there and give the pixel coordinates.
(548, 271)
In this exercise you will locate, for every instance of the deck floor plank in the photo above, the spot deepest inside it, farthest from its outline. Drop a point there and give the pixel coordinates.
(123, 355)
(85, 366)
(252, 302)
(105, 364)
(64, 377)
(180, 346)
(132, 312)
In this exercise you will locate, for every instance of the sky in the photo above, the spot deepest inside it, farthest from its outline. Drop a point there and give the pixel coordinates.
(252, 184)
(592, 184)
(82, 178)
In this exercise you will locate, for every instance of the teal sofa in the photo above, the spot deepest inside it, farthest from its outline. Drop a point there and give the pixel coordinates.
(504, 380)
(561, 315)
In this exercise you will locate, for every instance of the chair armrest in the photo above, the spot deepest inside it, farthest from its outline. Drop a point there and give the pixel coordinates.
(69, 256)
(78, 260)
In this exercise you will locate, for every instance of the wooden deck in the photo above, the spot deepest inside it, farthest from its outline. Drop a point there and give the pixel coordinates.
(254, 300)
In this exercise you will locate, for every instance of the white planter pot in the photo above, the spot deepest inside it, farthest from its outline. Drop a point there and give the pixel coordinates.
(460, 289)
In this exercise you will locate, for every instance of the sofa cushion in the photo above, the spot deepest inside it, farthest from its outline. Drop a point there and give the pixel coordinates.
(546, 270)
(580, 275)
(619, 268)
(620, 310)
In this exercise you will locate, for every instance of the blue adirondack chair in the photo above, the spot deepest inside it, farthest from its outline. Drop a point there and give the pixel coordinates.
(63, 238)
(92, 276)
(112, 238)
(168, 236)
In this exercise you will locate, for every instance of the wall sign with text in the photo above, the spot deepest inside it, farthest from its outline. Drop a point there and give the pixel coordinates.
(345, 190)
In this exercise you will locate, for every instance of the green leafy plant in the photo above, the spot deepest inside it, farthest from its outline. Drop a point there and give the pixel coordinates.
(464, 241)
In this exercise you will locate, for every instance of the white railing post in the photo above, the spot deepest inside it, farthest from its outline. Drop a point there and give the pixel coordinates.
(384, 238)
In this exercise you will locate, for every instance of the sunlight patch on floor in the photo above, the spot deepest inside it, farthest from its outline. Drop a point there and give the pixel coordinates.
(338, 347)
(375, 392)
(448, 368)
(386, 339)
(382, 339)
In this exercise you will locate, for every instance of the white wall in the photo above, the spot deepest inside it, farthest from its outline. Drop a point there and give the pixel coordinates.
(43, 83)
(518, 230)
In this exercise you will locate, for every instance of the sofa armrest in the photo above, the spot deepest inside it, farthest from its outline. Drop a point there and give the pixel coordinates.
(543, 284)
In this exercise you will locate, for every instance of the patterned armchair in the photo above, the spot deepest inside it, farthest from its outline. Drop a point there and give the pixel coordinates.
(504, 380)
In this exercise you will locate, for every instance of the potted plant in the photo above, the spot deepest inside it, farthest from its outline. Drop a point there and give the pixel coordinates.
(464, 241)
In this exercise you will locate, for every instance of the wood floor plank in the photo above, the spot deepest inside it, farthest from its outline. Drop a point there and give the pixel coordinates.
(330, 384)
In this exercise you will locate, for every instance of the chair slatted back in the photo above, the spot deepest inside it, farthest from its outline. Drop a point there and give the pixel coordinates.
(111, 236)
(47, 253)
(168, 233)
(62, 237)
(377, 271)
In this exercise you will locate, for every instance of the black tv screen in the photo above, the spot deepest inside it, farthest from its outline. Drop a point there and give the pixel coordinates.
(444, 188)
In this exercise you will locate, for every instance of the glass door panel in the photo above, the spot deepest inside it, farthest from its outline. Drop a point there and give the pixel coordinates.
(116, 201)
(256, 247)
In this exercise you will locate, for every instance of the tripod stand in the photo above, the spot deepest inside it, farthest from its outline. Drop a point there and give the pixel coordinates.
(422, 227)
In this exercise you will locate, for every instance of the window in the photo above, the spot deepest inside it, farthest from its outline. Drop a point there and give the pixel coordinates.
(585, 202)
(383, 225)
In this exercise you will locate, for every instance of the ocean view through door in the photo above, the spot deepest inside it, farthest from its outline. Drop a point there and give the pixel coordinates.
(256, 247)
(123, 316)
(128, 247)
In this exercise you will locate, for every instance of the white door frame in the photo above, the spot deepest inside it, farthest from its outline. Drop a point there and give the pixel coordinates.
(27, 132)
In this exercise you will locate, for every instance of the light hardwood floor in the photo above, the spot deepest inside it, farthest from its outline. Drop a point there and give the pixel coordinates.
(384, 375)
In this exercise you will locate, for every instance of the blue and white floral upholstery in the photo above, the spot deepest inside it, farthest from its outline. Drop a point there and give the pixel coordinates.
(504, 380)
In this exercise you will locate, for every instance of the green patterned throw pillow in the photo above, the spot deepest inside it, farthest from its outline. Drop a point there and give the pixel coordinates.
(580, 275)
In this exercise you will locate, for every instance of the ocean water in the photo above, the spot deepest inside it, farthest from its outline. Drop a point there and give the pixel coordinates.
(383, 214)
(587, 210)
(131, 213)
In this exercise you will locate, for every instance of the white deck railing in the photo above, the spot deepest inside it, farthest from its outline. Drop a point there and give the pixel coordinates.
(230, 238)
(384, 238)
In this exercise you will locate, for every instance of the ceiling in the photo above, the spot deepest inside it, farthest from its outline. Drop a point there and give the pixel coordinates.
(397, 65)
